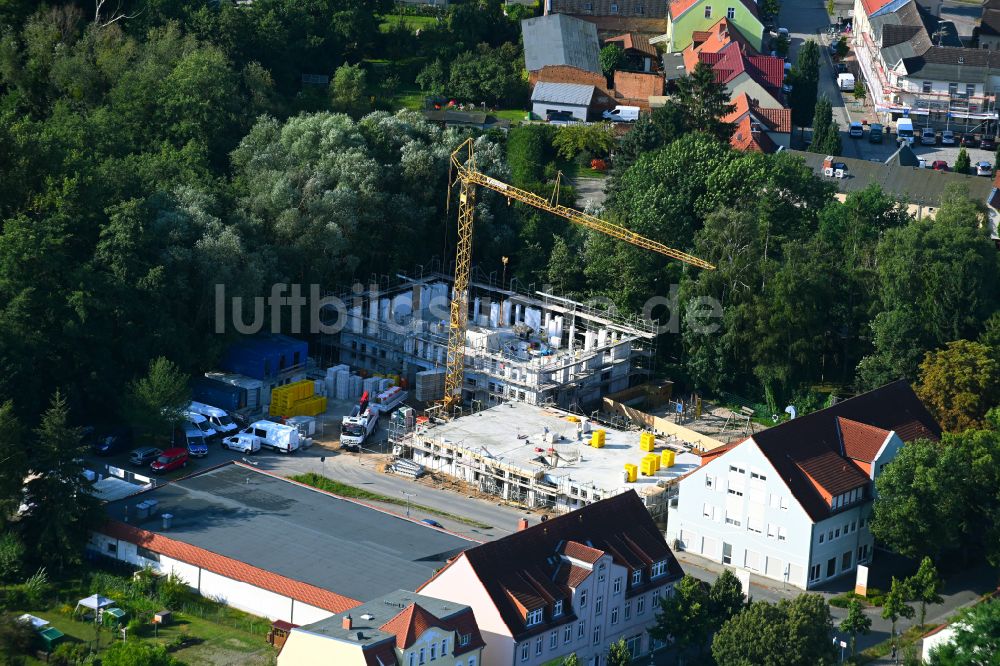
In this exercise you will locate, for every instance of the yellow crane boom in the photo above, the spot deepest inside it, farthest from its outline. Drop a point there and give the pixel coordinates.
(464, 166)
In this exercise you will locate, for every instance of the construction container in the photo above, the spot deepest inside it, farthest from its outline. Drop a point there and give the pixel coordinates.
(255, 394)
(284, 398)
(597, 439)
(219, 394)
(647, 466)
(265, 356)
(647, 441)
(310, 406)
(667, 458)
(631, 472)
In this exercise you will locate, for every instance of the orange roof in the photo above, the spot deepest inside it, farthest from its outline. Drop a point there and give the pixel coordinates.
(713, 40)
(230, 568)
(409, 624)
(631, 40)
(571, 575)
(872, 6)
(678, 7)
(774, 120)
(579, 551)
(861, 441)
(745, 139)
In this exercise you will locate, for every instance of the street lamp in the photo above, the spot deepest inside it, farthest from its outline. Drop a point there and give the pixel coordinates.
(408, 496)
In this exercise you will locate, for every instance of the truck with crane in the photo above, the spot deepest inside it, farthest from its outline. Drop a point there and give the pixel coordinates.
(363, 419)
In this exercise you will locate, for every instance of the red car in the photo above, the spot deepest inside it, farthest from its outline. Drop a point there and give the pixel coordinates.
(170, 460)
(939, 165)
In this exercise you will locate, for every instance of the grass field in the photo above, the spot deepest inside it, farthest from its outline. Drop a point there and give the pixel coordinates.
(414, 23)
(344, 490)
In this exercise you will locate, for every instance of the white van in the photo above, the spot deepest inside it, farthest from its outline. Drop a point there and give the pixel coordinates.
(845, 81)
(904, 130)
(622, 114)
(277, 436)
(219, 419)
(201, 423)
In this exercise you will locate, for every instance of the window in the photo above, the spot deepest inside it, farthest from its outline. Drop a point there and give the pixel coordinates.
(831, 567)
(709, 481)
(758, 476)
(614, 615)
(616, 587)
(444, 647)
(434, 652)
(464, 639)
(784, 503)
(557, 608)
(639, 10)
(782, 534)
(538, 645)
(928, 86)
(524, 652)
(628, 610)
(553, 640)
(472, 661)
(413, 659)
(614, 9)
(637, 577)
(754, 524)
(814, 572)
(854, 526)
(727, 553)
(581, 629)
(821, 537)
(708, 510)
(738, 493)
(738, 470)
(845, 561)
(658, 568)
(952, 89)
(861, 521)
(147, 554)
(568, 633)
(422, 659)
(970, 90)
(836, 533)
(640, 605)
(733, 521)
(583, 598)
(113, 547)
(731, 13)
(771, 531)
(600, 573)
(708, 11)
(829, 535)
(534, 617)
(597, 635)
(598, 605)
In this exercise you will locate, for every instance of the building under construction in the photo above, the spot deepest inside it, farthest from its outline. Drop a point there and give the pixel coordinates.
(542, 457)
(536, 348)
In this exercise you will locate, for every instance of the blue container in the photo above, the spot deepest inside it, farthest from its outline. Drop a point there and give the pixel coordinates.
(219, 394)
(263, 357)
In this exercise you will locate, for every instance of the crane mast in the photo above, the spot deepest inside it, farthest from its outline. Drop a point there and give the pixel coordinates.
(469, 178)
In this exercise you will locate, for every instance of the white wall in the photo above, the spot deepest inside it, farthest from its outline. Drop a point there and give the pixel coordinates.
(541, 108)
(767, 505)
(848, 535)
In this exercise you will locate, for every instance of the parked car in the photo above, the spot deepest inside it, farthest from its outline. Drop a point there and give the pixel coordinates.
(928, 137)
(108, 441)
(939, 165)
(875, 133)
(560, 117)
(432, 523)
(622, 114)
(856, 130)
(988, 143)
(145, 455)
(840, 68)
(984, 169)
(947, 138)
(170, 460)
(969, 141)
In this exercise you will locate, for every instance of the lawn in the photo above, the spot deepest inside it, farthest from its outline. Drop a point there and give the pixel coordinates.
(414, 23)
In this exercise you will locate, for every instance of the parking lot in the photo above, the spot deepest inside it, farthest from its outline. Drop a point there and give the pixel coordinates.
(863, 149)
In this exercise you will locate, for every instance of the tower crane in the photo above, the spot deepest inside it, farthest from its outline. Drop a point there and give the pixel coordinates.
(464, 169)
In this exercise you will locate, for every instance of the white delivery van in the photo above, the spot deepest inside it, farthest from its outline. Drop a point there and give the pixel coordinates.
(202, 424)
(277, 436)
(219, 419)
(904, 130)
(622, 114)
(845, 81)
(242, 442)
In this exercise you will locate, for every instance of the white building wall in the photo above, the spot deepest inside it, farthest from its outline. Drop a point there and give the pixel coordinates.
(780, 550)
(541, 108)
(844, 534)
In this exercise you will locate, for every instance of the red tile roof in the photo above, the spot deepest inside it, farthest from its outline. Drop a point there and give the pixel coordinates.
(748, 139)
(409, 624)
(776, 120)
(634, 41)
(768, 71)
(571, 575)
(830, 472)
(720, 37)
(872, 6)
(578, 551)
(861, 441)
(230, 568)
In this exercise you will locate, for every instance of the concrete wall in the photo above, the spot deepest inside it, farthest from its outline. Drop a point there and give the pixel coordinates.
(660, 425)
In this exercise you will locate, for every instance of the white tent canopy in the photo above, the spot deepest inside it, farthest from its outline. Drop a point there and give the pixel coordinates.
(95, 602)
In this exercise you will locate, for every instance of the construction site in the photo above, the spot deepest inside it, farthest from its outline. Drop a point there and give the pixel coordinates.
(537, 348)
(547, 458)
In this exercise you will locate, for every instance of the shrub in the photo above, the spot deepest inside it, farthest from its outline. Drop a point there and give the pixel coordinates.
(37, 588)
(173, 591)
(11, 557)
(135, 628)
(68, 654)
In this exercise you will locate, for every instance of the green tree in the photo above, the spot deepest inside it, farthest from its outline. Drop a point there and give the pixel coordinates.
(491, 75)
(959, 384)
(860, 92)
(12, 553)
(136, 653)
(842, 48)
(619, 654)
(855, 623)
(726, 597)
(704, 102)
(962, 162)
(770, 8)
(781, 44)
(16, 639)
(596, 139)
(347, 88)
(685, 616)
(155, 403)
(643, 137)
(925, 587)
(612, 56)
(788, 633)
(895, 607)
(571, 660)
(14, 467)
(565, 272)
(433, 78)
(826, 132)
(976, 641)
(804, 78)
(62, 509)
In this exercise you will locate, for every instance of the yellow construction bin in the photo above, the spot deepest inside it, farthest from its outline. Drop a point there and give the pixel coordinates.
(653, 459)
(597, 439)
(667, 458)
(648, 466)
(647, 441)
(310, 406)
(632, 471)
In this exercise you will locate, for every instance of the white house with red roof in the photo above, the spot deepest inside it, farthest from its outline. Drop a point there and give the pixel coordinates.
(792, 503)
(573, 584)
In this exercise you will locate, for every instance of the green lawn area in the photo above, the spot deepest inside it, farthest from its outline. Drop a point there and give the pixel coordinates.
(414, 23)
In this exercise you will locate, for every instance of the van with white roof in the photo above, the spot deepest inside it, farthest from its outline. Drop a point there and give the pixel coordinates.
(199, 422)
(220, 420)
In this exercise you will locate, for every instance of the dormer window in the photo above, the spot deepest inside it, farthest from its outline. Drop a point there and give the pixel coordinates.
(658, 569)
(637, 577)
(464, 640)
(535, 617)
(557, 608)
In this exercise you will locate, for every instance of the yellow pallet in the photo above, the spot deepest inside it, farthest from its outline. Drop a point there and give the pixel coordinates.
(647, 441)
(632, 471)
(667, 458)
(647, 466)
(597, 439)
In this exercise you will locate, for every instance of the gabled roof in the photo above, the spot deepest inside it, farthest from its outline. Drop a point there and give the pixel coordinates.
(579, 551)
(717, 38)
(772, 120)
(872, 6)
(861, 441)
(409, 624)
(748, 137)
(510, 568)
(558, 39)
(574, 94)
(633, 41)
(768, 71)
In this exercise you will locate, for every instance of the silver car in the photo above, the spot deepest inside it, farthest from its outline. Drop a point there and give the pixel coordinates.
(947, 138)
(142, 457)
(928, 137)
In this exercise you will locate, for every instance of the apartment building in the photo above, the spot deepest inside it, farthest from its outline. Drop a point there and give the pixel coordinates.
(574, 584)
(792, 503)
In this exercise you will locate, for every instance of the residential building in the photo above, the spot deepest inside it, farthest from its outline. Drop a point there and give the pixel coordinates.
(908, 70)
(574, 584)
(615, 16)
(716, 39)
(989, 26)
(993, 208)
(560, 40)
(759, 77)
(902, 176)
(757, 128)
(270, 546)
(399, 629)
(640, 55)
(687, 17)
(542, 457)
(792, 503)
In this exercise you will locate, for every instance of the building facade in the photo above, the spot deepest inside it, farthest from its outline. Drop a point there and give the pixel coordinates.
(685, 18)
